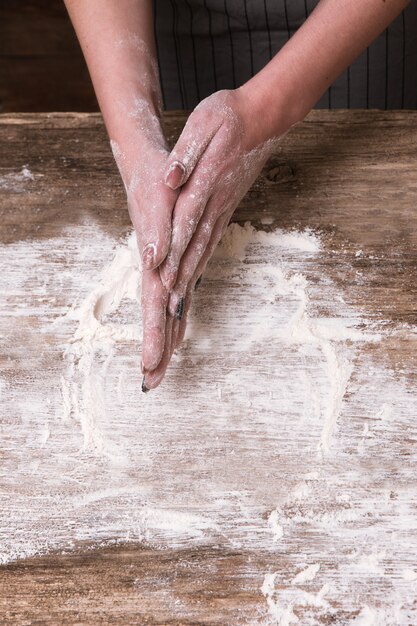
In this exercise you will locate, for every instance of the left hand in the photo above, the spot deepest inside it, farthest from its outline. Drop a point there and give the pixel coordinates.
(216, 159)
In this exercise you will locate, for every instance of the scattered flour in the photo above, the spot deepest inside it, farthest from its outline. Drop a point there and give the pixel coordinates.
(283, 605)
(284, 616)
(409, 574)
(17, 181)
(306, 574)
(274, 456)
(82, 386)
(383, 616)
(276, 528)
(369, 563)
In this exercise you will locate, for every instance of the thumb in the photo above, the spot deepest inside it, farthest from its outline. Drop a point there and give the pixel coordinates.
(154, 228)
(191, 145)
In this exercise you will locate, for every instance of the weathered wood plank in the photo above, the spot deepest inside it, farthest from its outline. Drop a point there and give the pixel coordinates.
(372, 207)
(351, 178)
(145, 586)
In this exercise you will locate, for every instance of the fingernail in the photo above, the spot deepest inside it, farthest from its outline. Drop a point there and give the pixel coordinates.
(144, 387)
(148, 256)
(198, 282)
(180, 309)
(175, 175)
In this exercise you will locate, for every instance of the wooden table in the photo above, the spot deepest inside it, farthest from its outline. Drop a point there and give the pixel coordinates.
(351, 177)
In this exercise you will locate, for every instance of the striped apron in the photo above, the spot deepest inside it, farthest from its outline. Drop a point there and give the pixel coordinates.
(207, 45)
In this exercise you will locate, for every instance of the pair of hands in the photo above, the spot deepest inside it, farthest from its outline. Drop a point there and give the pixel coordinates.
(180, 204)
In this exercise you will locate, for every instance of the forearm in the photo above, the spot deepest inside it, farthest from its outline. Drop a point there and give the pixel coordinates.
(117, 40)
(331, 38)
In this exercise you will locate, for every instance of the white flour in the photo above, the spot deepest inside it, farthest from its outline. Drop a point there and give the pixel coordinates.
(251, 441)
(306, 574)
(17, 181)
(83, 387)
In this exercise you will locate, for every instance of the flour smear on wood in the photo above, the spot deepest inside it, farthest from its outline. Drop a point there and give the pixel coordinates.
(274, 429)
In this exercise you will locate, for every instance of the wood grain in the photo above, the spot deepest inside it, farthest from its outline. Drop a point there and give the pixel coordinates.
(350, 176)
(304, 185)
(143, 585)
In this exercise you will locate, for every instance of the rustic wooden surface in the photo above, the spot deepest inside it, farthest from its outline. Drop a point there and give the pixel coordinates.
(373, 206)
(352, 177)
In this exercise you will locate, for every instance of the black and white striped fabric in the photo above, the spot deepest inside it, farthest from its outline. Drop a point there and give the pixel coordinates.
(207, 45)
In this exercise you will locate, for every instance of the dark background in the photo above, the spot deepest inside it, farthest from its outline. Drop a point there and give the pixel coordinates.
(42, 67)
(41, 64)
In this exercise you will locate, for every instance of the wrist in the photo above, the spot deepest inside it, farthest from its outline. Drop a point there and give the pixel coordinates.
(275, 101)
(134, 113)
(132, 152)
(135, 130)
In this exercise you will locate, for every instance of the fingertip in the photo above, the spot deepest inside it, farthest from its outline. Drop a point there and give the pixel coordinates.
(173, 304)
(175, 175)
(151, 380)
(145, 389)
(179, 340)
(198, 282)
(154, 379)
(181, 333)
(179, 311)
(168, 274)
(152, 350)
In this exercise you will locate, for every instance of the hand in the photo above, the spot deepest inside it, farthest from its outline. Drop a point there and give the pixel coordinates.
(165, 330)
(142, 161)
(118, 43)
(215, 161)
